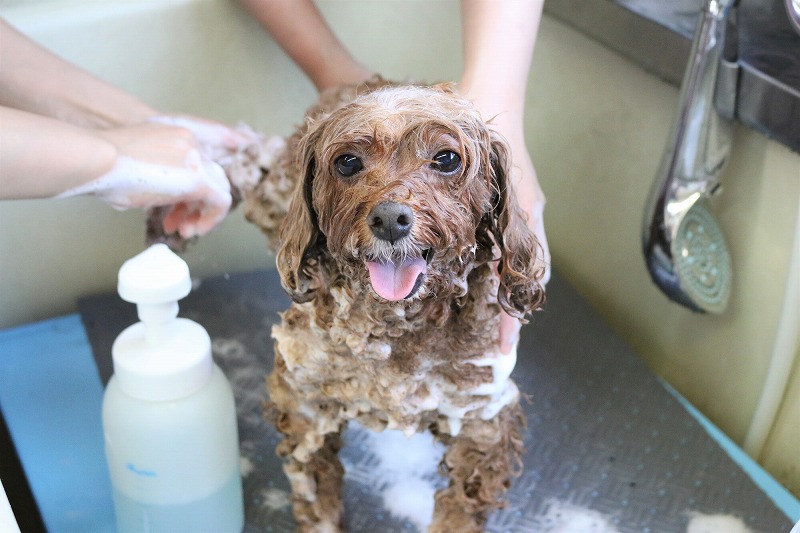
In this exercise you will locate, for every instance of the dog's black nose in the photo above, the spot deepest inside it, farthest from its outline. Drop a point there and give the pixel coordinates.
(390, 221)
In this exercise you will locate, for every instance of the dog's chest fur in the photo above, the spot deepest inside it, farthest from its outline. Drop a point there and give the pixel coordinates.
(393, 365)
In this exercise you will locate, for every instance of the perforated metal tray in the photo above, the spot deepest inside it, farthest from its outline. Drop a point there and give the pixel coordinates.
(604, 435)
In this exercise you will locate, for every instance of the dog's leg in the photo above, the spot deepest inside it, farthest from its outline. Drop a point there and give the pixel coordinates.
(480, 461)
(317, 487)
(310, 454)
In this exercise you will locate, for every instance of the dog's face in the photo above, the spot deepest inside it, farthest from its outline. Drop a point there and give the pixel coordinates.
(404, 190)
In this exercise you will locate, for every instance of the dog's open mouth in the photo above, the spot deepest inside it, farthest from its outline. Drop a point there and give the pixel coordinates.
(398, 279)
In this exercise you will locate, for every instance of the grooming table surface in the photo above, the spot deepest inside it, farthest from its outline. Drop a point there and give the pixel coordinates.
(604, 434)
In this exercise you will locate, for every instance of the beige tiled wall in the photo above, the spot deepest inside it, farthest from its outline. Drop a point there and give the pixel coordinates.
(596, 125)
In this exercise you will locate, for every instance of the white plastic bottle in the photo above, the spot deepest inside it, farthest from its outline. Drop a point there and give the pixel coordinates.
(169, 417)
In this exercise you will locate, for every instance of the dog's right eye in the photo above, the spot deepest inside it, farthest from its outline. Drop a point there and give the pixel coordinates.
(348, 165)
(447, 162)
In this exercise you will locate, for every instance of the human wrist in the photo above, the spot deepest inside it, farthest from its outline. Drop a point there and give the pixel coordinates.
(496, 104)
(348, 72)
(43, 157)
(115, 111)
(94, 156)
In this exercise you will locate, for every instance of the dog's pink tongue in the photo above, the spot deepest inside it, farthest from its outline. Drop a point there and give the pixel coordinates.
(395, 280)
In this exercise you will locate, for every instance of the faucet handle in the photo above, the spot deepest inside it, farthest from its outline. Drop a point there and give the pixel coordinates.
(727, 84)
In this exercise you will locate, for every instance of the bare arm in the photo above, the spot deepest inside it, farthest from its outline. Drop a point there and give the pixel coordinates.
(45, 157)
(139, 166)
(35, 80)
(499, 38)
(64, 132)
(498, 46)
(300, 30)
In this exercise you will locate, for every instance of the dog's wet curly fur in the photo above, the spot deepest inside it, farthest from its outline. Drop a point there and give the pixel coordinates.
(396, 330)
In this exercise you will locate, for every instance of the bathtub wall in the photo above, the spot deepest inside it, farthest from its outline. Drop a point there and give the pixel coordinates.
(597, 126)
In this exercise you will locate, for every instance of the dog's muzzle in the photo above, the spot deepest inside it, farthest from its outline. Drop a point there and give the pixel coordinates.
(401, 278)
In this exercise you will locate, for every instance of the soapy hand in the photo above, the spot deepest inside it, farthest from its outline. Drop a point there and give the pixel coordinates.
(165, 165)
(62, 128)
(216, 141)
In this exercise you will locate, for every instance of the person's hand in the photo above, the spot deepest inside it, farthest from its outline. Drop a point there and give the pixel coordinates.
(216, 141)
(161, 165)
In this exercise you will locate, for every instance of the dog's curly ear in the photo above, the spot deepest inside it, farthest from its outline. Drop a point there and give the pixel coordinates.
(520, 266)
(302, 244)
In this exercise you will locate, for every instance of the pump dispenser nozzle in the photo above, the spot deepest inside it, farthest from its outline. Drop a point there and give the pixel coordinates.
(162, 356)
(155, 280)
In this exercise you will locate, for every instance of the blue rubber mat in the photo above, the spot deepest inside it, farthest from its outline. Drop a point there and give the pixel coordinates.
(51, 396)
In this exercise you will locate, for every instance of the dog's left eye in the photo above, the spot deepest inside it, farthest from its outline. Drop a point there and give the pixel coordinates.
(446, 162)
(347, 165)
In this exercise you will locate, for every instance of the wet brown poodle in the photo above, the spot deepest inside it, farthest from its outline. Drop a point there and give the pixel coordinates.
(400, 242)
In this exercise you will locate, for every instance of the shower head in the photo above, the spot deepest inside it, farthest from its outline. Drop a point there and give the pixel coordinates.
(684, 247)
(696, 270)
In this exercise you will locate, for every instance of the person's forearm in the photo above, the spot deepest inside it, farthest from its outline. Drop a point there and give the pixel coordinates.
(42, 157)
(33, 79)
(300, 30)
(499, 37)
